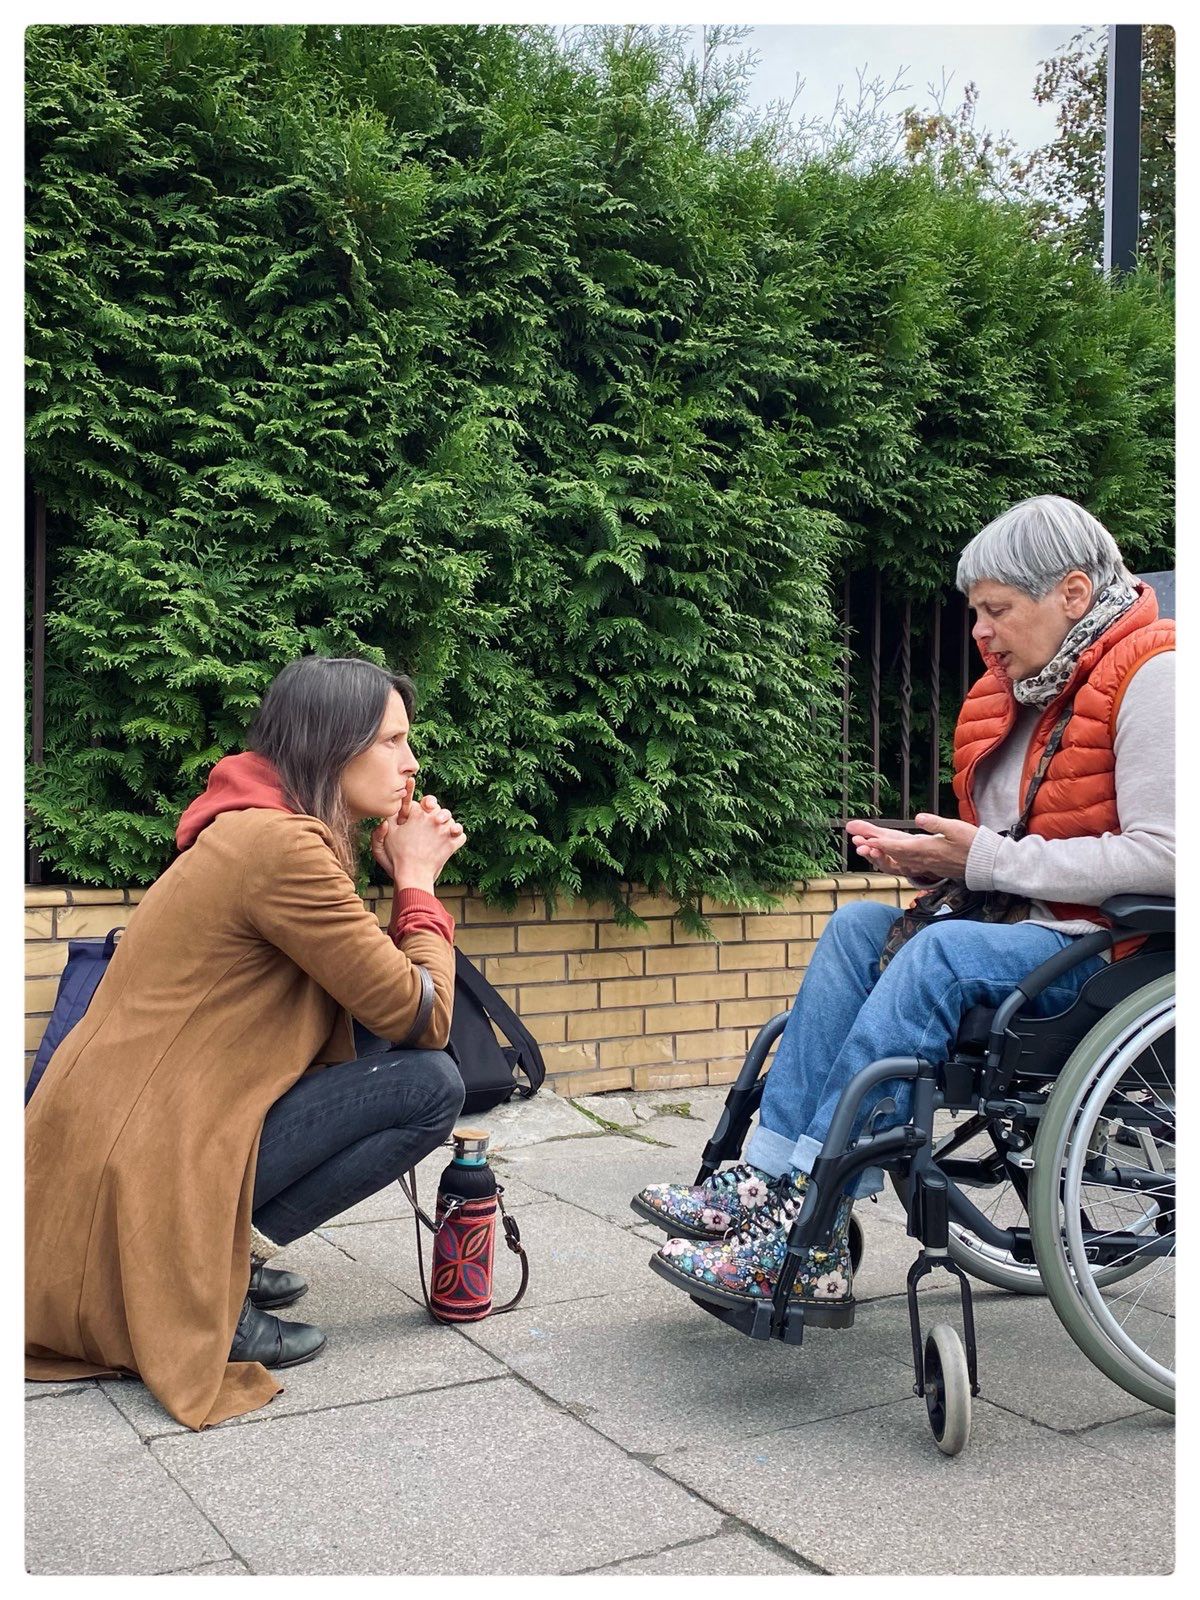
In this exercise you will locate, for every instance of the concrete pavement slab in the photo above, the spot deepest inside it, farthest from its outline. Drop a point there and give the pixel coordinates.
(685, 1138)
(616, 1108)
(489, 1479)
(888, 1252)
(96, 1501)
(573, 1255)
(871, 1493)
(381, 1343)
(600, 1175)
(654, 1372)
(691, 1114)
(729, 1555)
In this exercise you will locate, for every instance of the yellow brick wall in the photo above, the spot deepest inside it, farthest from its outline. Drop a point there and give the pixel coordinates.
(612, 1008)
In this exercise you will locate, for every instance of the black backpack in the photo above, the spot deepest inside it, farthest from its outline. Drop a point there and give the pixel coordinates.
(489, 1070)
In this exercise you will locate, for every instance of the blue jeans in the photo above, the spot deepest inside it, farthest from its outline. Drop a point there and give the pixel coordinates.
(339, 1135)
(847, 1015)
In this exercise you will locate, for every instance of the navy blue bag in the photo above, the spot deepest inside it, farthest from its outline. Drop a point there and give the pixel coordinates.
(87, 962)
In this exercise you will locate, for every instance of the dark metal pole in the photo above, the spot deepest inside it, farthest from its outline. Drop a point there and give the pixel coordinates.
(38, 684)
(1122, 148)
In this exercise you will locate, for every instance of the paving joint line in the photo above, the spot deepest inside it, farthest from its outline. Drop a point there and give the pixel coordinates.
(794, 1427)
(731, 1525)
(183, 1489)
(1049, 1427)
(199, 1566)
(265, 1416)
(651, 1465)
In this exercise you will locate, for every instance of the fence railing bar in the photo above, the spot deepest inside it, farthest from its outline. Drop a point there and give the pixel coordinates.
(935, 710)
(33, 864)
(906, 710)
(876, 675)
(847, 660)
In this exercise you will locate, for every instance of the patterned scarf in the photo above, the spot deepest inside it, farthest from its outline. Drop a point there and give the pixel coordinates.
(1113, 601)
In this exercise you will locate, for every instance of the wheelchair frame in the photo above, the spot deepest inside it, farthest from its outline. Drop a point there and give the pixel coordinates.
(1006, 1084)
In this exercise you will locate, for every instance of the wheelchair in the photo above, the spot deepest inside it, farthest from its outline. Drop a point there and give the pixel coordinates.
(1060, 1179)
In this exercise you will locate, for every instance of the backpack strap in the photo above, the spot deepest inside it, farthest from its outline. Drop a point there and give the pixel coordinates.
(529, 1053)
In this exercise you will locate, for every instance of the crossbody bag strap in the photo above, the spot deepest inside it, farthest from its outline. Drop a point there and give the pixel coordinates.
(1021, 826)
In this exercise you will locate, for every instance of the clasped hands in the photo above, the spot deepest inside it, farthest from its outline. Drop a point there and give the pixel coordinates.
(414, 845)
(940, 850)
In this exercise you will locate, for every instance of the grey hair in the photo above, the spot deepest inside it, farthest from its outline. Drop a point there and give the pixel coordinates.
(1035, 543)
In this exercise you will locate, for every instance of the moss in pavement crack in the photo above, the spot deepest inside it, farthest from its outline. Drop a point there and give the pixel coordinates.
(617, 1127)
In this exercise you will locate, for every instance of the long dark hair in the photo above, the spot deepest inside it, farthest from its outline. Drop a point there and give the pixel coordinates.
(318, 714)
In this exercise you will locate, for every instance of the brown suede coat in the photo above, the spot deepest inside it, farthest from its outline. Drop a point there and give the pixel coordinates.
(238, 970)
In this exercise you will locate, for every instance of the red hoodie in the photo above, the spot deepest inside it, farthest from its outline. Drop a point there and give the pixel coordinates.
(248, 781)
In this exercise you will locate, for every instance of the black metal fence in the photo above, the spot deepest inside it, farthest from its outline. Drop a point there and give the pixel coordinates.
(907, 665)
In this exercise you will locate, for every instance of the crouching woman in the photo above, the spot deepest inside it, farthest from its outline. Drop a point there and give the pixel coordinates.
(207, 1110)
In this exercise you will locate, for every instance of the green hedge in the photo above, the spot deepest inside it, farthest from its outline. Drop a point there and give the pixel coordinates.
(431, 345)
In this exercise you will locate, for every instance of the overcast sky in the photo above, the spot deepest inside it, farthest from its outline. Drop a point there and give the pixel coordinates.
(1001, 60)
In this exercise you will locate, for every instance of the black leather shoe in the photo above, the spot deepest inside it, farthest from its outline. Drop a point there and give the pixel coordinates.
(259, 1337)
(270, 1289)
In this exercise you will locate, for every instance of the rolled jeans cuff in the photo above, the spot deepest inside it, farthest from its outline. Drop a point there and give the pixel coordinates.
(774, 1154)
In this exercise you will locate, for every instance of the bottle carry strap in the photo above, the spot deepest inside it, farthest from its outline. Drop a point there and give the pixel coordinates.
(512, 1238)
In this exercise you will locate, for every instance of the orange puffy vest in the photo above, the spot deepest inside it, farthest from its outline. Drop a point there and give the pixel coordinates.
(1077, 798)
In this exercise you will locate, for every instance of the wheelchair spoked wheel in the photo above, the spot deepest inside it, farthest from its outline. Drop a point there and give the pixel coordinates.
(1105, 1170)
(1106, 1159)
(947, 1389)
(1004, 1204)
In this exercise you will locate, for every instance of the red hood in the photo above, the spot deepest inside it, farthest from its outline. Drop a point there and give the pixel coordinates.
(236, 783)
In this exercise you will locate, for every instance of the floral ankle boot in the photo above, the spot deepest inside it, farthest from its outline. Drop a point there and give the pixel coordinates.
(745, 1267)
(729, 1199)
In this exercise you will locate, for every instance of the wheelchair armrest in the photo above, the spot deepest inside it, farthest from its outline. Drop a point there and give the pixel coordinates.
(1071, 955)
(1143, 913)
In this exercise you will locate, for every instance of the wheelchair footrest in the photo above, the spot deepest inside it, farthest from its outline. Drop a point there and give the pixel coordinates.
(755, 1320)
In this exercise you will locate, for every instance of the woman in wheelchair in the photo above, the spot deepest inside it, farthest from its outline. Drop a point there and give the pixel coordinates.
(1063, 761)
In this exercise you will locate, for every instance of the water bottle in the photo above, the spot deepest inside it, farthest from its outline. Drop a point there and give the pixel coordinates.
(465, 1241)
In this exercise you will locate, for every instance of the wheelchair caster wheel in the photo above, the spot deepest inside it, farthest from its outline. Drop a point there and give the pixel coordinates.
(856, 1242)
(947, 1389)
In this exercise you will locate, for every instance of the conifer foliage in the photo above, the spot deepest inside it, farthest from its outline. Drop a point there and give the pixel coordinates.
(432, 345)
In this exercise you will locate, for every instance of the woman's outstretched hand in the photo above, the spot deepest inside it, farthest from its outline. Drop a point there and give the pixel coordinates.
(413, 846)
(940, 850)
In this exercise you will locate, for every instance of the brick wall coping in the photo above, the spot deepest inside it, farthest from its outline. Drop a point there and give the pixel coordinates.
(36, 895)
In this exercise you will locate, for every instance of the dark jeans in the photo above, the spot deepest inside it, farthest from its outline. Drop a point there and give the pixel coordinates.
(339, 1135)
